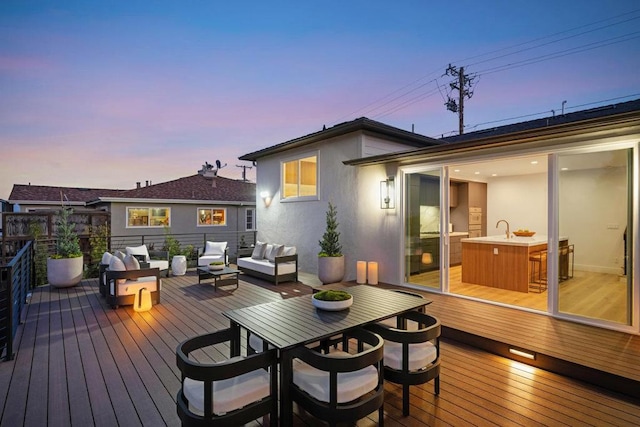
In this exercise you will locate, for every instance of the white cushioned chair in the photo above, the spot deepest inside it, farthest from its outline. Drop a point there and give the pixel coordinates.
(214, 251)
(231, 392)
(340, 386)
(411, 356)
(155, 259)
(121, 284)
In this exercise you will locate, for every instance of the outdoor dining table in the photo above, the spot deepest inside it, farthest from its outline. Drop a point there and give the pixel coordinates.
(293, 322)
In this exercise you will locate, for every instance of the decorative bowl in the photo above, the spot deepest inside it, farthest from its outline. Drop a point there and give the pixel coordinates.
(331, 305)
(216, 266)
(524, 233)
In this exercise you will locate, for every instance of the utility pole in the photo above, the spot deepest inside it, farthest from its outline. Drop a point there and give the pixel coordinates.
(463, 85)
(244, 171)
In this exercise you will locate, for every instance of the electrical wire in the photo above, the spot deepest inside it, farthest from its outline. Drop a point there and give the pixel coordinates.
(391, 98)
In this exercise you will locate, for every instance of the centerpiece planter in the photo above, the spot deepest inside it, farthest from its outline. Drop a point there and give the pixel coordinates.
(332, 300)
(216, 265)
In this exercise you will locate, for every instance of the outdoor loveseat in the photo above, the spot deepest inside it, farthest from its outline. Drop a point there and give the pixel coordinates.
(272, 262)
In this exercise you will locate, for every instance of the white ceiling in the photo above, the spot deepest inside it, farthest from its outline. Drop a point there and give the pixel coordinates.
(482, 171)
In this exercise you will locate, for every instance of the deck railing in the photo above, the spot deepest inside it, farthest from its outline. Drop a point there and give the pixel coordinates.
(16, 279)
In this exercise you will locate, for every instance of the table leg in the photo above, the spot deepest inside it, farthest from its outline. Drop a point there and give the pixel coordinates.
(286, 377)
(235, 341)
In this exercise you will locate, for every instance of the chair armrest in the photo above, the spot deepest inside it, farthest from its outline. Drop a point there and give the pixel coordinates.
(132, 274)
(221, 370)
(286, 258)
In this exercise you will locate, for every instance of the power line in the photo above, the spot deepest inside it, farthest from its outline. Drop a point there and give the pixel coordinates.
(410, 88)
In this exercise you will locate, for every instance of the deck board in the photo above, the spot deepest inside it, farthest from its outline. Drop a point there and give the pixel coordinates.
(79, 362)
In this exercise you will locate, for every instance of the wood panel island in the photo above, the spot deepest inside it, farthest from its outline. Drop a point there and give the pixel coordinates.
(500, 262)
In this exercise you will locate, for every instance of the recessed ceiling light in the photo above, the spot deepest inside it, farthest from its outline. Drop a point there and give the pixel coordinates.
(534, 162)
(564, 169)
(477, 173)
(494, 174)
(456, 170)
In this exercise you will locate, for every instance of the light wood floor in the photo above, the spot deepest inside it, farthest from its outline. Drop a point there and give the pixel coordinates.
(595, 295)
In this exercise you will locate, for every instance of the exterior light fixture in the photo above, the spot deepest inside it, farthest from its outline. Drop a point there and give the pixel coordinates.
(142, 300)
(522, 353)
(388, 194)
(266, 198)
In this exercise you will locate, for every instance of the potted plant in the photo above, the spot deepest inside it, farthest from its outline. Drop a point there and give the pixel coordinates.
(64, 268)
(216, 265)
(330, 258)
(332, 300)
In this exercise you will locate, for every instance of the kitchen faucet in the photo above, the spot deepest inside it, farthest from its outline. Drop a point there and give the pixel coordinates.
(505, 221)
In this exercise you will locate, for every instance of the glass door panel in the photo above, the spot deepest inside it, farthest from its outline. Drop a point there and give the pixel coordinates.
(594, 280)
(422, 233)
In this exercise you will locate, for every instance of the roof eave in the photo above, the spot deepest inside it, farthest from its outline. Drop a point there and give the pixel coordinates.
(604, 127)
(172, 201)
(362, 124)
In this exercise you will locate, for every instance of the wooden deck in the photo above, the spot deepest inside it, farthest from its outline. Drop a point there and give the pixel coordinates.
(80, 363)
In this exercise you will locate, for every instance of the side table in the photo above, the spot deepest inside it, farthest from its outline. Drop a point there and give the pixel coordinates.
(179, 265)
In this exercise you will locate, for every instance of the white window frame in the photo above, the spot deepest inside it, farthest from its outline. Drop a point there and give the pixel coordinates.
(299, 157)
(149, 208)
(211, 209)
(250, 226)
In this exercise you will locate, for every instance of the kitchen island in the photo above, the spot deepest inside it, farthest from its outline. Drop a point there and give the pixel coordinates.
(500, 262)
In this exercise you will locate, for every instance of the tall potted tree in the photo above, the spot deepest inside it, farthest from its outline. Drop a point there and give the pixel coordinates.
(330, 258)
(64, 268)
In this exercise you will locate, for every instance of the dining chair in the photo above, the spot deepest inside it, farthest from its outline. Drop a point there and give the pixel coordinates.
(393, 321)
(231, 392)
(340, 386)
(411, 357)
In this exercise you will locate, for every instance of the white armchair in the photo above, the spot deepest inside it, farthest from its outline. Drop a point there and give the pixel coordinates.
(214, 251)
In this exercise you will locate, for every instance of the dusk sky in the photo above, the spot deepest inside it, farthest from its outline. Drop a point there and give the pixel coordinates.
(103, 94)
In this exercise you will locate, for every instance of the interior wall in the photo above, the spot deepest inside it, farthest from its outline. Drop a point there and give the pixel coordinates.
(594, 202)
(519, 199)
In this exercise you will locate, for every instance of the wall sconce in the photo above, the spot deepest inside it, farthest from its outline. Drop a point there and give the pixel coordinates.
(388, 194)
(266, 198)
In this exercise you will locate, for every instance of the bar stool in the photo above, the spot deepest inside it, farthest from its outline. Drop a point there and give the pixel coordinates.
(537, 260)
(566, 262)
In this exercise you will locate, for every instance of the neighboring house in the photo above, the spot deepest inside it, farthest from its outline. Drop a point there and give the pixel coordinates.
(572, 178)
(197, 206)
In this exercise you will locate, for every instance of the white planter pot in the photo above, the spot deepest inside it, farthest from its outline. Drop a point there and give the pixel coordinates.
(331, 305)
(64, 272)
(330, 269)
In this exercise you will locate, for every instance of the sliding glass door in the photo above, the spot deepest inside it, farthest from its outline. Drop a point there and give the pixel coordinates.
(422, 229)
(594, 235)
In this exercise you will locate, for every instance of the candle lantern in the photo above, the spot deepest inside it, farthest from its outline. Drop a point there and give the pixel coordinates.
(361, 273)
(372, 272)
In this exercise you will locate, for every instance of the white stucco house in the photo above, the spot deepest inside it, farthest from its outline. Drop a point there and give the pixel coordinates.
(571, 179)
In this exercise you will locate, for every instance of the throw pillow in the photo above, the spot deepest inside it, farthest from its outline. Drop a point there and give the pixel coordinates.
(120, 255)
(289, 250)
(215, 248)
(131, 263)
(106, 258)
(138, 250)
(276, 250)
(116, 264)
(258, 251)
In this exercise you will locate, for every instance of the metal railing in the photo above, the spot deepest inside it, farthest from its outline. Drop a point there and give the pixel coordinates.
(16, 278)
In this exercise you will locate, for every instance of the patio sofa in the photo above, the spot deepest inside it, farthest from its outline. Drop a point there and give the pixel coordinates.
(273, 262)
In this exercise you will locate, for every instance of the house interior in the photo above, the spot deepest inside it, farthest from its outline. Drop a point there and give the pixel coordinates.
(486, 197)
